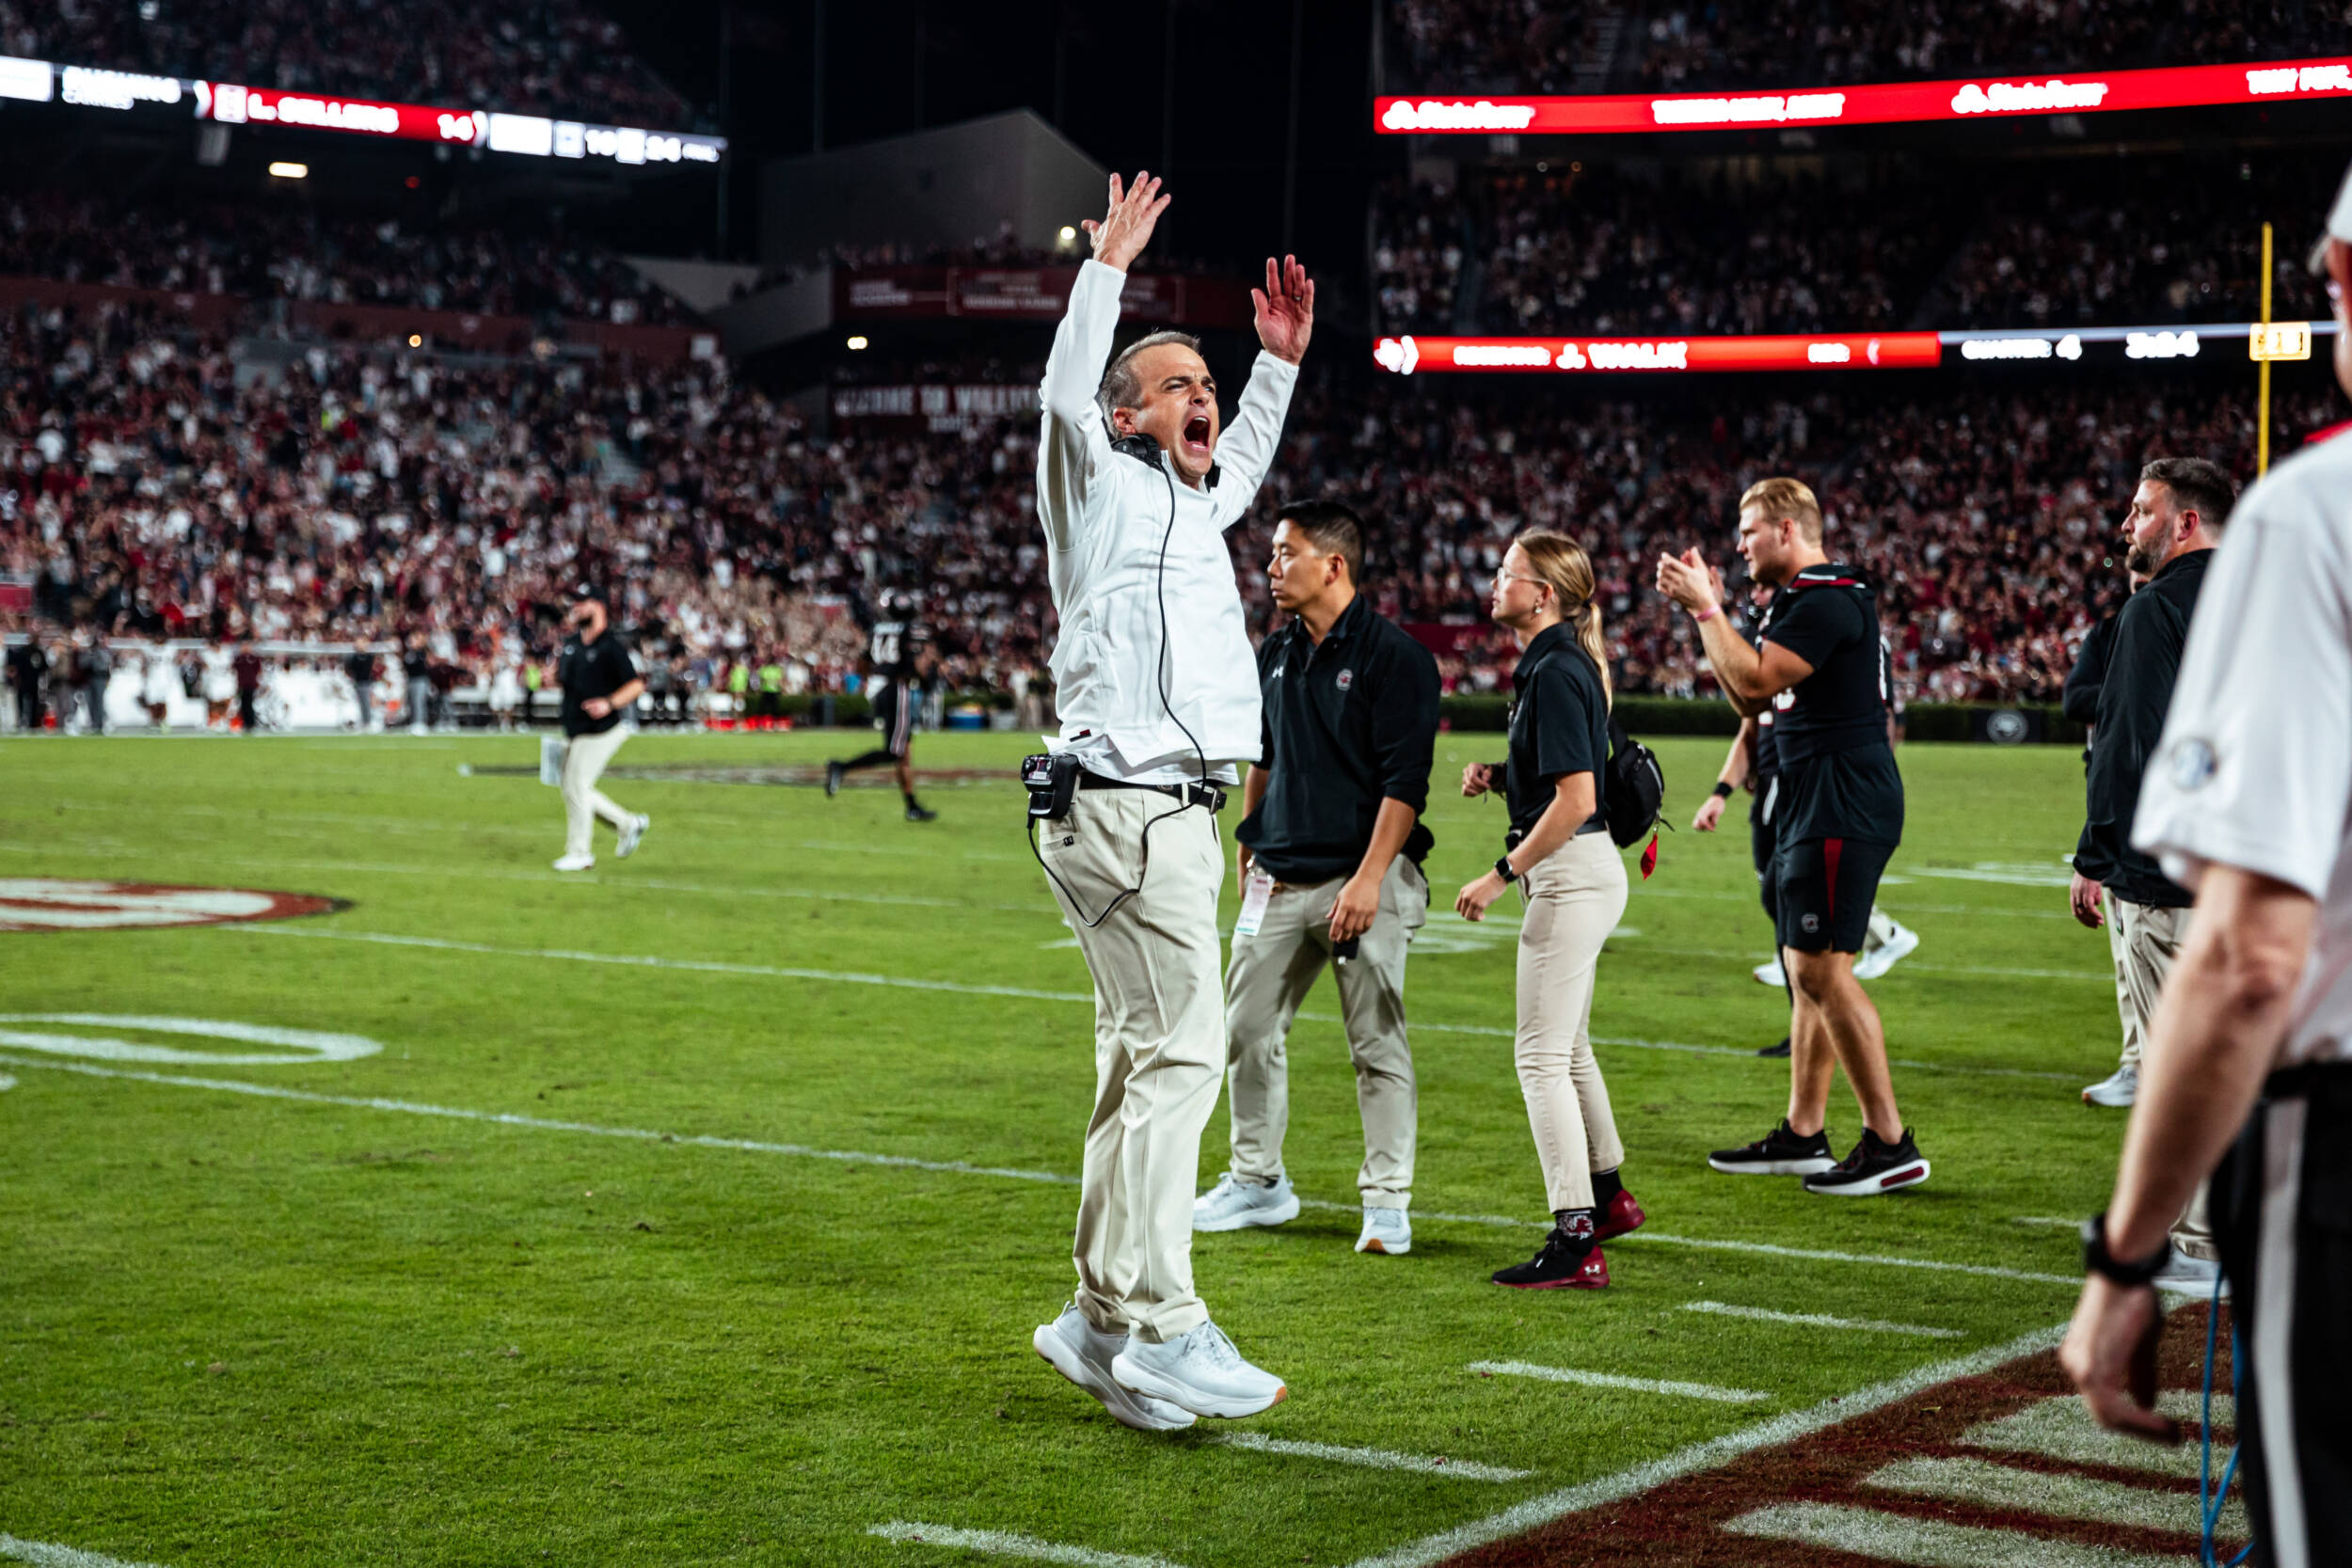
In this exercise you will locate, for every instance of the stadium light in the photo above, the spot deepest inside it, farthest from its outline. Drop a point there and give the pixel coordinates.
(416, 340)
(857, 341)
(289, 171)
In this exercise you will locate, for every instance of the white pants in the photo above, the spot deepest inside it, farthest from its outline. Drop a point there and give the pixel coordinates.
(1575, 897)
(1159, 1048)
(584, 760)
(2145, 940)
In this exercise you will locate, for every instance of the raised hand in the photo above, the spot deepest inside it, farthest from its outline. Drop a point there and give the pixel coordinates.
(1285, 309)
(1126, 228)
(1690, 581)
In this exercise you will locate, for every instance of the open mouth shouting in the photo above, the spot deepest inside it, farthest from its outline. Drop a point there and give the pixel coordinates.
(1197, 435)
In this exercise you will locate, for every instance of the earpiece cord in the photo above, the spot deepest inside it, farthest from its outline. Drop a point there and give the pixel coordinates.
(1143, 866)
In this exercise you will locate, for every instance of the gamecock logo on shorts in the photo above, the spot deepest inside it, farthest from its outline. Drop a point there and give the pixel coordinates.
(69, 904)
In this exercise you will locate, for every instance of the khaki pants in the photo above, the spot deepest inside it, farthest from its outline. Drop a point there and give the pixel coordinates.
(1575, 897)
(584, 760)
(1159, 1048)
(1271, 974)
(2145, 940)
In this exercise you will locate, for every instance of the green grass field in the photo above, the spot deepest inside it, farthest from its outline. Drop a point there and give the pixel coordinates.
(305, 1329)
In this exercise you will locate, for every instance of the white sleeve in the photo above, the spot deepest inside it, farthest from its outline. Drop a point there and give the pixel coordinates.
(2255, 767)
(1074, 440)
(1246, 451)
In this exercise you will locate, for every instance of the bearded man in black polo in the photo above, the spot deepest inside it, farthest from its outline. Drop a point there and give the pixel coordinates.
(1820, 669)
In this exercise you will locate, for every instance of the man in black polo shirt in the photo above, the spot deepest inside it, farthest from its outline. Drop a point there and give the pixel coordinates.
(1330, 854)
(1821, 667)
(599, 680)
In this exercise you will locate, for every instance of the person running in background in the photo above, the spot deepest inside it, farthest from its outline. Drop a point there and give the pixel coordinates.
(907, 661)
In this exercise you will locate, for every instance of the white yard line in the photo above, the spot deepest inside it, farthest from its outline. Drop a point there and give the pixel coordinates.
(2059, 1428)
(1706, 1455)
(953, 1167)
(1377, 1459)
(1928, 1542)
(1611, 1379)
(2053, 1220)
(1815, 1319)
(2059, 1495)
(1908, 966)
(42, 1554)
(1005, 1544)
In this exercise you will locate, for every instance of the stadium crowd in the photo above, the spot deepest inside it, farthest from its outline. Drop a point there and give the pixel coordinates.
(397, 500)
(529, 57)
(262, 253)
(1564, 249)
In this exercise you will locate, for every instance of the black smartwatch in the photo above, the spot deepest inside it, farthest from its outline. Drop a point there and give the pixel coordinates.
(1503, 869)
(2099, 1260)
(1723, 790)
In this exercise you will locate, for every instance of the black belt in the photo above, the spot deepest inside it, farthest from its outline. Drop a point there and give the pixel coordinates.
(1208, 796)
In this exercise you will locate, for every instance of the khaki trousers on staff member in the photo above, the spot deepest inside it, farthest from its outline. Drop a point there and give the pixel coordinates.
(1159, 1048)
(1575, 897)
(1271, 974)
(584, 759)
(2145, 940)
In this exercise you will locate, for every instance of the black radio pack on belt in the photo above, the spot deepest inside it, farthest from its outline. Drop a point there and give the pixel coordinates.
(1052, 781)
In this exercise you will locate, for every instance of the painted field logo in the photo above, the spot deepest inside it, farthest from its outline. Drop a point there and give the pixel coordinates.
(68, 904)
(287, 1047)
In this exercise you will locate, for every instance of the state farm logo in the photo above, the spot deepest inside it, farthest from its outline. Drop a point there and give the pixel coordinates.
(1439, 115)
(1399, 355)
(71, 904)
(2000, 98)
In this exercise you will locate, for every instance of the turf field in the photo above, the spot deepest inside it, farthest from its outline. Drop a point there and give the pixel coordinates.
(762, 1175)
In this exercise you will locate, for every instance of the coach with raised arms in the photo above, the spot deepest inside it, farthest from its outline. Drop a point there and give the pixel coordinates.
(1158, 693)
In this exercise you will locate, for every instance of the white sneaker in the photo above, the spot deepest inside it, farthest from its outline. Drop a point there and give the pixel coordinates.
(575, 862)
(1386, 1231)
(1236, 1202)
(1083, 1354)
(1199, 1371)
(632, 835)
(2118, 1090)
(1771, 974)
(1888, 954)
(2190, 1277)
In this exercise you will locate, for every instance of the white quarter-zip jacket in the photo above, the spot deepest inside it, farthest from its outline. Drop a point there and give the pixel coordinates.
(1105, 516)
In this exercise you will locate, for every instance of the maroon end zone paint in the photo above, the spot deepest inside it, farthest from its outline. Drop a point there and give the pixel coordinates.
(81, 904)
(1680, 1525)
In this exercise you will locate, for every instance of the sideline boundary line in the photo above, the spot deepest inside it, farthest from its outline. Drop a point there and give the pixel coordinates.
(946, 1167)
(1705, 1455)
(707, 966)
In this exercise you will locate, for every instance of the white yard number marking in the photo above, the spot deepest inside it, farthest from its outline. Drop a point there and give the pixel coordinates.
(293, 1045)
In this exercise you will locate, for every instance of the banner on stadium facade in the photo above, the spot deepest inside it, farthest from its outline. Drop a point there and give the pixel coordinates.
(911, 406)
(234, 104)
(1880, 104)
(1029, 293)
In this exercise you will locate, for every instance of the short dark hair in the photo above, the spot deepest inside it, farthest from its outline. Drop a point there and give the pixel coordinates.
(2197, 485)
(1121, 386)
(1334, 528)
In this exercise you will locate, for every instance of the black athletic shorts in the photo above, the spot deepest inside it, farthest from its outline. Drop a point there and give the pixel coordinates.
(897, 718)
(1764, 845)
(1825, 888)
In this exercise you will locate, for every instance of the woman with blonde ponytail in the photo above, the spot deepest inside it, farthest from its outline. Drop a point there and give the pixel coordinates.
(1560, 854)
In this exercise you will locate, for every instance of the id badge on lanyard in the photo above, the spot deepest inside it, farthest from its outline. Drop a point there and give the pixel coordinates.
(1255, 893)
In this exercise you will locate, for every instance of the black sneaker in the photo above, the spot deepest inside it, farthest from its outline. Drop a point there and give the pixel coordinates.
(1875, 1167)
(916, 813)
(833, 780)
(1563, 1265)
(1780, 1050)
(1779, 1152)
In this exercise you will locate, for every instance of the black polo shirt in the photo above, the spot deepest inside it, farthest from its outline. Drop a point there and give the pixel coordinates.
(1348, 723)
(1837, 775)
(588, 670)
(2143, 660)
(1559, 725)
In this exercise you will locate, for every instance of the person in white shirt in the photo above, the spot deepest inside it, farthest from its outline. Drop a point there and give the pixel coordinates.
(2246, 1072)
(1159, 701)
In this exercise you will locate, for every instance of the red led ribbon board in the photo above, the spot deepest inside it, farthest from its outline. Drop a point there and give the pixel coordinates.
(240, 105)
(1586, 356)
(1969, 98)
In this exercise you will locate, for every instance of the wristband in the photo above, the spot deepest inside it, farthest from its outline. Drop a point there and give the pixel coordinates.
(1703, 616)
(1723, 790)
(2099, 1260)
(1503, 869)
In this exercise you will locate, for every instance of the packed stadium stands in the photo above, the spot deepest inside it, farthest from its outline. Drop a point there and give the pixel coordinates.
(532, 57)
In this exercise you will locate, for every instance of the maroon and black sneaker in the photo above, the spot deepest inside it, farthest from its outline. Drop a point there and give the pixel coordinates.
(1875, 1167)
(1563, 1265)
(1621, 1217)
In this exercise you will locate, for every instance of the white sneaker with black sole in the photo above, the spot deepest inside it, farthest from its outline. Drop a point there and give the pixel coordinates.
(1199, 1371)
(1237, 1203)
(1772, 974)
(632, 835)
(1889, 952)
(1386, 1231)
(1083, 1354)
(2117, 1090)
